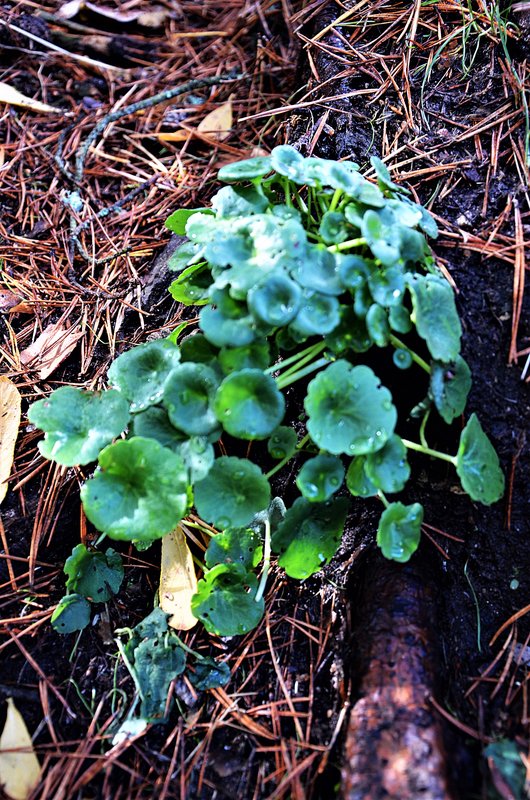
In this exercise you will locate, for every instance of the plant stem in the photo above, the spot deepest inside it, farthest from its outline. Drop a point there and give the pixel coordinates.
(336, 248)
(266, 562)
(188, 649)
(335, 199)
(287, 192)
(301, 202)
(415, 357)
(302, 362)
(383, 499)
(428, 451)
(281, 464)
(130, 668)
(314, 349)
(288, 380)
(423, 425)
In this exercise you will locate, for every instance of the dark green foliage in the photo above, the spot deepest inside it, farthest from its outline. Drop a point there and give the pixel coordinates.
(302, 266)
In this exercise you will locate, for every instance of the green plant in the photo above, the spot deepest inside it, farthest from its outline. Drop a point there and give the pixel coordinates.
(301, 267)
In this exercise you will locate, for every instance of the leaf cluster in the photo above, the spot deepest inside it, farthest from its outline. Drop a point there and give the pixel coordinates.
(301, 266)
(155, 656)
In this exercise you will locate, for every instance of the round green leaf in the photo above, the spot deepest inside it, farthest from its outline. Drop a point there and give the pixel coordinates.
(333, 228)
(319, 272)
(282, 442)
(402, 358)
(358, 481)
(369, 195)
(288, 162)
(223, 331)
(309, 535)
(362, 301)
(349, 411)
(139, 493)
(72, 614)
(187, 253)
(387, 286)
(388, 469)
(450, 385)
(399, 319)
(383, 177)
(350, 333)
(78, 423)
(377, 325)
(209, 674)
(320, 477)
(238, 201)
(249, 404)
(198, 456)
(405, 212)
(353, 271)
(232, 492)
(235, 546)
(275, 301)
(477, 465)
(153, 423)
(414, 247)
(157, 663)
(248, 169)
(382, 236)
(226, 601)
(176, 221)
(192, 286)
(197, 348)
(318, 314)
(399, 531)
(435, 315)
(354, 211)
(188, 396)
(141, 373)
(251, 356)
(93, 574)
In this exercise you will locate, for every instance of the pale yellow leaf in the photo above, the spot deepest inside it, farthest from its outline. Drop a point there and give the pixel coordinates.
(218, 123)
(19, 767)
(15, 98)
(55, 343)
(172, 136)
(178, 581)
(10, 402)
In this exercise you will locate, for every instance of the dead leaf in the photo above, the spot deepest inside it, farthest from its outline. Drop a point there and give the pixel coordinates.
(218, 123)
(13, 97)
(10, 404)
(178, 581)
(8, 300)
(19, 766)
(153, 18)
(51, 348)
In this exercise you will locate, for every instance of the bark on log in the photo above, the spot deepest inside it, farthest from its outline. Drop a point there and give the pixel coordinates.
(394, 745)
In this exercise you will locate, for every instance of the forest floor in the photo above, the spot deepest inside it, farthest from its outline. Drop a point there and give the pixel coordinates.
(439, 90)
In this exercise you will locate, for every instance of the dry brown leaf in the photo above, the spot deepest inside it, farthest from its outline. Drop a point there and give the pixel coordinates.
(152, 18)
(218, 123)
(10, 404)
(54, 344)
(178, 581)
(13, 97)
(8, 300)
(19, 766)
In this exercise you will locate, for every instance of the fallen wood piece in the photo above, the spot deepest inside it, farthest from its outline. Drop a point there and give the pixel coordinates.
(394, 745)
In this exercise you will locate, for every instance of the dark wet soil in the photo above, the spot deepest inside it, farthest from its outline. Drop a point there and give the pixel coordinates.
(483, 580)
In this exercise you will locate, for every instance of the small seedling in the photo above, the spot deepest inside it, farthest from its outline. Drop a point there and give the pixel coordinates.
(300, 268)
